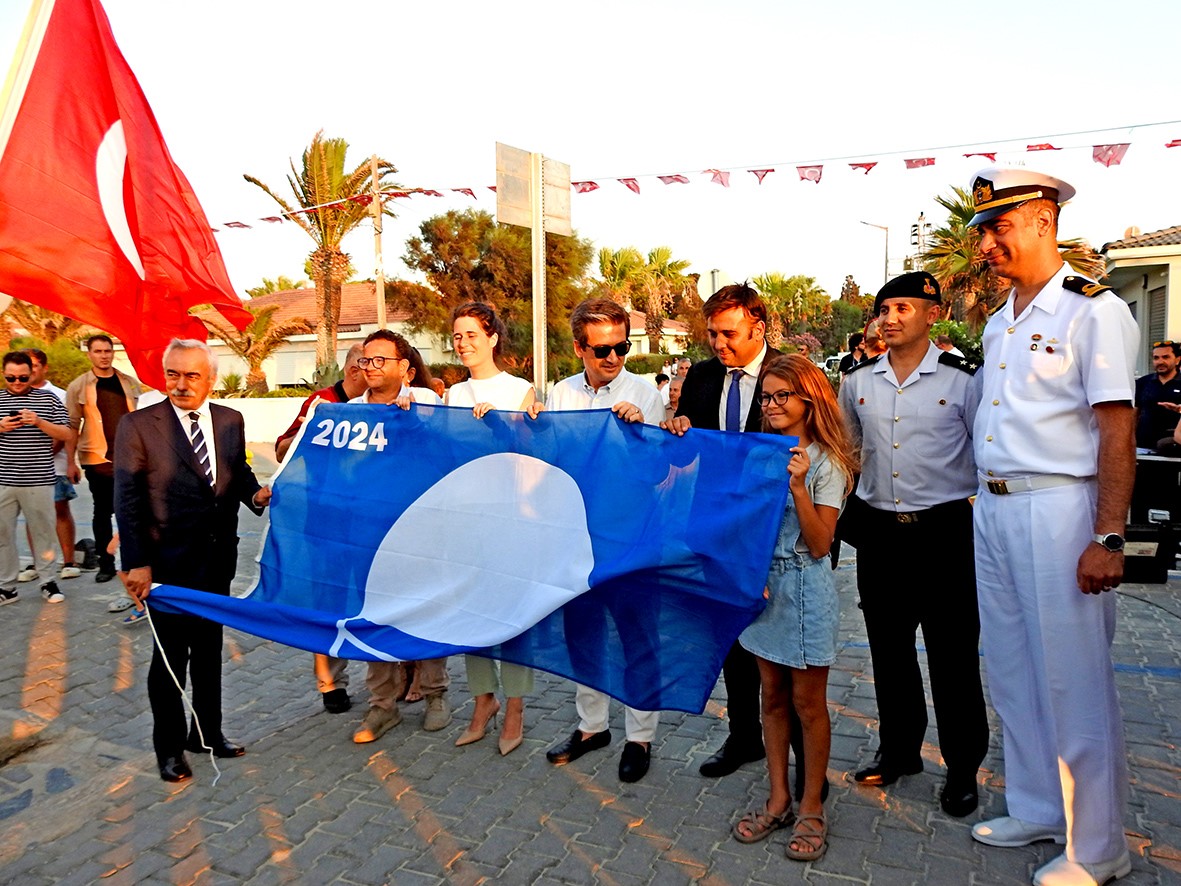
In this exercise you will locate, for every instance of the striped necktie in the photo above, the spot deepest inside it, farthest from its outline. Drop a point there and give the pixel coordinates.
(199, 447)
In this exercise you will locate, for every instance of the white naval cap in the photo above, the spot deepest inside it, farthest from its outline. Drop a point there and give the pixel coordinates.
(998, 190)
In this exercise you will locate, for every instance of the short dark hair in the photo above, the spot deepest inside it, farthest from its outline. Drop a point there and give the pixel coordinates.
(597, 310)
(944, 340)
(1171, 345)
(736, 295)
(99, 337)
(401, 346)
(486, 317)
(38, 354)
(18, 358)
(855, 339)
(660, 376)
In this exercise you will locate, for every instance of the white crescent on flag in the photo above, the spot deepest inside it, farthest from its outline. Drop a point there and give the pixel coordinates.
(110, 165)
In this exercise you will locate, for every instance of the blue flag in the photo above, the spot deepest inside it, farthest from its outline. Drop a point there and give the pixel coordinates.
(616, 554)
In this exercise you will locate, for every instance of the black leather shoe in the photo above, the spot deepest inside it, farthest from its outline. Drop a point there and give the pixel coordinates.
(337, 701)
(881, 772)
(175, 769)
(221, 749)
(730, 756)
(633, 765)
(575, 746)
(103, 577)
(959, 795)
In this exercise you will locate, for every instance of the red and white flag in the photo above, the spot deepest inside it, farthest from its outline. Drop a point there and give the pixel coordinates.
(1110, 155)
(761, 174)
(863, 167)
(991, 155)
(1175, 143)
(96, 220)
(674, 179)
(584, 187)
(919, 162)
(810, 173)
(1044, 146)
(468, 191)
(630, 183)
(718, 177)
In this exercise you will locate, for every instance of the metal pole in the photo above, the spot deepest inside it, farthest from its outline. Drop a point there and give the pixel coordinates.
(886, 262)
(379, 274)
(537, 214)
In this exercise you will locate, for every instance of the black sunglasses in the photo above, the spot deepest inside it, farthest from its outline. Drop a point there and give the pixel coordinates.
(601, 351)
(21, 378)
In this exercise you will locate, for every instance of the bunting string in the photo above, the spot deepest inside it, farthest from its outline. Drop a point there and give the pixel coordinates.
(812, 171)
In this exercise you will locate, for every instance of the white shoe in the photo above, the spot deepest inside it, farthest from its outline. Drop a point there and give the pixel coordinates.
(119, 602)
(69, 572)
(1062, 872)
(27, 574)
(1008, 832)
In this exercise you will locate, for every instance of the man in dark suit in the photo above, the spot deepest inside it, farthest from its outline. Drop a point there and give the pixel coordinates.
(722, 394)
(179, 478)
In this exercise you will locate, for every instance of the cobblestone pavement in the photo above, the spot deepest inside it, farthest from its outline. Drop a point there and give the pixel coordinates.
(81, 801)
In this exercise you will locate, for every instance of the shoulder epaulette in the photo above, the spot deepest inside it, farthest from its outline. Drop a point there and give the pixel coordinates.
(870, 362)
(1084, 286)
(946, 358)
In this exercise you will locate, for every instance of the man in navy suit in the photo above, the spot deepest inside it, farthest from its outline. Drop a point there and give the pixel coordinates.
(179, 478)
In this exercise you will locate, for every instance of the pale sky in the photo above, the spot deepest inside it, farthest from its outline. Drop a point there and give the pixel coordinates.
(642, 88)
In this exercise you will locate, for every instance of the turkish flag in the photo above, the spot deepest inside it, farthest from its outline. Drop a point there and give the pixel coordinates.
(1109, 155)
(96, 220)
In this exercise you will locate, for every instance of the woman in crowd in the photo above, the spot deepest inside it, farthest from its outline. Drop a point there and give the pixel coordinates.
(795, 637)
(477, 334)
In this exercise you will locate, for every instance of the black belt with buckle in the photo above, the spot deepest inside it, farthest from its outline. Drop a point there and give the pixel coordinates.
(912, 517)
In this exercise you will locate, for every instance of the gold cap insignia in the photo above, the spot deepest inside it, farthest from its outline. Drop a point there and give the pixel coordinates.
(982, 192)
(928, 288)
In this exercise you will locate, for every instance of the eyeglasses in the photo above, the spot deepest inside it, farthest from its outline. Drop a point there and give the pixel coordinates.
(601, 351)
(375, 362)
(780, 398)
(21, 378)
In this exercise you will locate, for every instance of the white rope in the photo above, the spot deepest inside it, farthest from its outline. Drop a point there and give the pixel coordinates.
(183, 694)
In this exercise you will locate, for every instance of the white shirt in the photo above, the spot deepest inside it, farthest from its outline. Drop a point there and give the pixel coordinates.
(502, 390)
(205, 423)
(746, 389)
(425, 396)
(915, 437)
(60, 462)
(1043, 371)
(575, 393)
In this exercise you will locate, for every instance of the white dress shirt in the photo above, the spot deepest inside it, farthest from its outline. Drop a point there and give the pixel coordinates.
(746, 391)
(205, 423)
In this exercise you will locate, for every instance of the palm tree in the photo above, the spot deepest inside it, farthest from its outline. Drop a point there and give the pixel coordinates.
(261, 338)
(622, 271)
(43, 324)
(279, 284)
(953, 257)
(339, 206)
(663, 281)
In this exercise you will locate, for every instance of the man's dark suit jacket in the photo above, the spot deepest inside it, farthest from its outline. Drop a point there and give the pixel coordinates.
(701, 396)
(169, 517)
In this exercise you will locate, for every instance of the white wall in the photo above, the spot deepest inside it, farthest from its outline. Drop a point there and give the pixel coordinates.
(265, 417)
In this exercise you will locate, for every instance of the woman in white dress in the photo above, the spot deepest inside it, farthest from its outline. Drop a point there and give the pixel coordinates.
(476, 335)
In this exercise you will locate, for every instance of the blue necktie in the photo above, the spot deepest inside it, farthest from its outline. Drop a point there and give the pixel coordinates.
(734, 402)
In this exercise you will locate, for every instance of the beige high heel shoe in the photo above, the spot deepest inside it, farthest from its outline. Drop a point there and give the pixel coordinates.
(509, 744)
(474, 733)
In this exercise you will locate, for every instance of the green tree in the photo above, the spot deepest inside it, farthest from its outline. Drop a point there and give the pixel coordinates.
(467, 256)
(279, 284)
(663, 282)
(795, 305)
(43, 324)
(622, 272)
(66, 360)
(971, 290)
(323, 182)
(261, 338)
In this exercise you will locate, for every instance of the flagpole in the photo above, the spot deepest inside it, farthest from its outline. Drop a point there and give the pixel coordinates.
(21, 69)
(379, 275)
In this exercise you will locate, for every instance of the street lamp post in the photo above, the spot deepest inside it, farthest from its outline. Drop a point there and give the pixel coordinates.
(886, 262)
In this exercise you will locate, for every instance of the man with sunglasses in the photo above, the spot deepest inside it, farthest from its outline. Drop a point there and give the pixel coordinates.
(1158, 399)
(385, 361)
(600, 327)
(30, 421)
(911, 413)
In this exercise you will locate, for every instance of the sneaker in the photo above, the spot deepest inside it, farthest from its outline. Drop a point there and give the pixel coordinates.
(119, 602)
(69, 572)
(377, 722)
(1063, 872)
(27, 574)
(1009, 832)
(8, 595)
(135, 618)
(50, 592)
(438, 713)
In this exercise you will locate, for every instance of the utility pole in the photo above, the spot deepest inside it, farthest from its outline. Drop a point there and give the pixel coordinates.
(379, 274)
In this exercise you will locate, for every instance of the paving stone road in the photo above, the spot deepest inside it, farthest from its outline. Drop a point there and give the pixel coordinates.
(81, 801)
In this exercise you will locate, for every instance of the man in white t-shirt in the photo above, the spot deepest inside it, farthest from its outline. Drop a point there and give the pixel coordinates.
(384, 363)
(600, 329)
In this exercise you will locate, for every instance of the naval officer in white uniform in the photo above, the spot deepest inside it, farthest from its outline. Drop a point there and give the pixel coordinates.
(1054, 446)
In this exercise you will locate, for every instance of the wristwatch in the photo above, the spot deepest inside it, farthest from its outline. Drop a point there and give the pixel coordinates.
(1112, 541)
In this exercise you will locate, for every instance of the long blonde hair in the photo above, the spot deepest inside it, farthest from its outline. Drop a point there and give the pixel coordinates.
(823, 416)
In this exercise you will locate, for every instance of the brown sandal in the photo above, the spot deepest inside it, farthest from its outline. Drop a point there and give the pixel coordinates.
(806, 834)
(761, 824)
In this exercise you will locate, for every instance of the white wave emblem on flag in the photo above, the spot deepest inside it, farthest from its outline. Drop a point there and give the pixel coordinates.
(506, 513)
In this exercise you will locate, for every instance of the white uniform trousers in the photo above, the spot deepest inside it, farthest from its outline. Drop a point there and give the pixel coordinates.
(592, 707)
(1047, 648)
